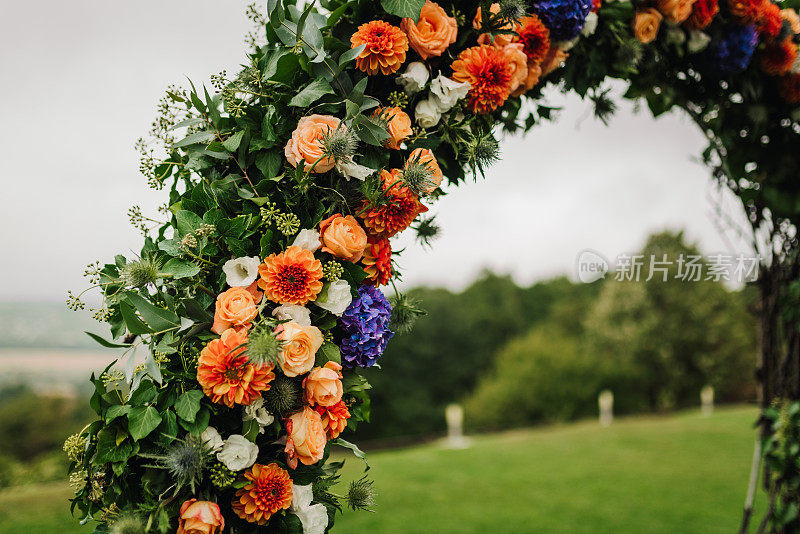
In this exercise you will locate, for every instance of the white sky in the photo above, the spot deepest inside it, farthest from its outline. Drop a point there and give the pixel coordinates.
(80, 83)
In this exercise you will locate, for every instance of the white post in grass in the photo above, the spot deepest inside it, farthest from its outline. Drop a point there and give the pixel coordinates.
(605, 401)
(707, 400)
(454, 414)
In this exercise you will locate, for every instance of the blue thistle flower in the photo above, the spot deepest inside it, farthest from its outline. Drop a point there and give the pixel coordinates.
(366, 328)
(564, 18)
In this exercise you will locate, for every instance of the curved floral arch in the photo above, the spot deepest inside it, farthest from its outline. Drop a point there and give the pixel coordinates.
(258, 302)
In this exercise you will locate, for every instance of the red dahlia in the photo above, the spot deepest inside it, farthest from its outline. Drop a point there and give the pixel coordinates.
(703, 12)
(535, 38)
(398, 212)
(378, 261)
(778, 58)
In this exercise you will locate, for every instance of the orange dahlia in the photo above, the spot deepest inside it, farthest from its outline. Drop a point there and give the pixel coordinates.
(703, 12)
(334, 418)
(292, 277)
(535, 38)
(489, 74)
(789, 88)
(378, 261)
(778, 58)
(395, 215)
(268, 490)
(385, 50)
(225, 373)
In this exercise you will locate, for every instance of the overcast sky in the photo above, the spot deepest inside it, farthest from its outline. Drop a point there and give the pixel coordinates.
(80, 83)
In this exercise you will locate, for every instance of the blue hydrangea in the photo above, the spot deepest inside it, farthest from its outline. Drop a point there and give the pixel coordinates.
(366, 328)
(733, 52)
(564, 18)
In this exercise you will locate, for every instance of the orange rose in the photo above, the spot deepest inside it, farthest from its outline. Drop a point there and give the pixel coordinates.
(306, 438)
(305, 146)
(425, 156)
(646, 24)
(300, 347)
(519, 65)
(200, 517)
(343, 237)
(398, 123)
(323, 385)
(534, 73)
(675, 11)
(434, 32)
(500, 40)
(235, 307)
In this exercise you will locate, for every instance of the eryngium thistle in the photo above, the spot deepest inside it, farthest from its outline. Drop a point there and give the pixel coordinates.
(263, 347)
(141, 273)
(185, 459)
(405, 311)
(418, 176)
(127, 524)
(482, 151)
(339, 144)
(360, 495)
(282, 396)
(427, 230)
(512, 10)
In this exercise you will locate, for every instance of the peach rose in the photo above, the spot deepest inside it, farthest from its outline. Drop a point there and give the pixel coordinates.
(305, 146)
(519, 64)
(500, 40)
(646, 24)
(791, 16)
(343, 237)
(534, 73)
(235, 307)
(434, 32)
(301, 344)
(425, 156)
(200, 517)
(323, 385)
(398, 123)
(554, 59)
(306, 438)
(675, 11)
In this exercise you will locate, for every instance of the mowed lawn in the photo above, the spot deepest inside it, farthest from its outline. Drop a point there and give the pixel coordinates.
(680, 473)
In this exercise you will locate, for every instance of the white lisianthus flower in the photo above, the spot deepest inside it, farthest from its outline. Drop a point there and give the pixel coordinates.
(338, 298)
(589, 25)
(314, 518)
(414, 78)
(446, 93)
(566, 46)
(307, 239)
(675, 35)
(241, 272)
(211, 438)
(255, 411)
(301, 497)
(427, 113)
(698, 41)
(353, 170)
(293, 313)
(238, 453)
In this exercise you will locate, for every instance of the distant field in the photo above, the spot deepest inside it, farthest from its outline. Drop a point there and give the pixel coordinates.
(678, 474)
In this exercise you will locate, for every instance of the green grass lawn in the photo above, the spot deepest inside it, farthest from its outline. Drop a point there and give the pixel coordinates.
(681, 473)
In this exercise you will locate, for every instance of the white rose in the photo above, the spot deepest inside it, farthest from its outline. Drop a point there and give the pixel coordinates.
(256, 411)
(241, 272)
(293, 312)
(446, 93)
(427, 113)
(353, 170)
(238, 453)
(314, 519)
(589, 25)
(211, 438)
(337, 299)
(567, 45)
(675, 36)
(698, 41)
(301, 497)
(414, 78)
(307, 239)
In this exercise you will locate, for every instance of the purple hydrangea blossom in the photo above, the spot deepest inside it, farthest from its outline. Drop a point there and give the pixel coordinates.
(564, 18)
(733, 52)
(366, 328)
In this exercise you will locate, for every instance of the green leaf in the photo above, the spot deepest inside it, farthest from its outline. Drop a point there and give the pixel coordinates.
(159, 319)
(188, 122)
(351, 54)
(180, 268)
(144, 394)
(106, 343)
(269, 162)
(328, 352)
(232, 143)
(107, 448)
(195, 138)
(358, 453)
(132, 321)
(188, 221)
(115, 411)
(369, 131)
(311, 93)
(188, 405)
(404, 8)
(142, 420)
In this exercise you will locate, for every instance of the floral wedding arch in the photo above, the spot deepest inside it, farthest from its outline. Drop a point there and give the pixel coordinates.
(258, 303)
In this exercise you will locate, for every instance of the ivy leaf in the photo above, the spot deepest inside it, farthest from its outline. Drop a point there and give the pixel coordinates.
(311, 93)
(188, 222)
(404, 8)
(142, 420)
(328, 352)
(188, 405)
